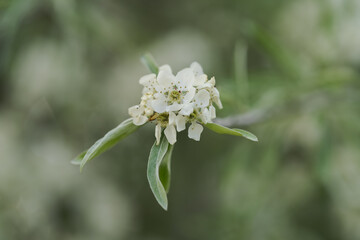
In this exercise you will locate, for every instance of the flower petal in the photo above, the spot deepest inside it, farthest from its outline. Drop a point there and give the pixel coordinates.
(170, 133)
(205, 115)
(216, 98)
(184, 78)
(196, 67)
(212, 81)
(135, 110)
(187, 109)
(202, 98)
(208, 84)
(159, 105)
(200, 80)
(189, 95)
(147, 79)
(172, 118)
(140, 120)
(180, 123)
(205, 85)
(165, 79)
(173, 108)
(166, 68)
(212, 112)
(195, 131)
(158, 133)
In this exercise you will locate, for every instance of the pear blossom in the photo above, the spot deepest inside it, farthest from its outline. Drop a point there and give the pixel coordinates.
(137, 112)
(172, 101)
(195, 131)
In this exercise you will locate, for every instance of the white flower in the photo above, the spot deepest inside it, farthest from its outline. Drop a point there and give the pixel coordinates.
(215, 96)
(170, 131)
(195, 131)
(172, 101)
(202, 99)
(137, 112)
(173, 93)
(158, 133)
(148, 81)
(180, 122)
(200, 77)
(206, 115)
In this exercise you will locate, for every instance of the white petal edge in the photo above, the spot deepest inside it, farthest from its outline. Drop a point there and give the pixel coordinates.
(158, 133)
(180, 123)
(195, 131)
(216, 98)
(202, 98)
(212, 81)
(140, 120)
(135, 110)
(170, 133)
(165, 79)
(185, 78)
(172, 118)
(165, 68)
(206, 115)
(212, 112)
(209, 84)
(147, 79)
(187, 109)
(173, 108)
(196, 67)
(189, 95)
(159, 105)
(200, 80)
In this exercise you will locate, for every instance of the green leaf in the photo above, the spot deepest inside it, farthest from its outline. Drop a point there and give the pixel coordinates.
(123, 130)
(165, 169)
(148, 60)
(235, 131)
(77, 160)
(160, 154)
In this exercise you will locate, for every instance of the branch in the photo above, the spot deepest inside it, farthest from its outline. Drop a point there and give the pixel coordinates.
(246, 119)
(311, 101)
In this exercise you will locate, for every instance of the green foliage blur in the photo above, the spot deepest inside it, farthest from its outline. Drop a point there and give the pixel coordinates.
(287, 70)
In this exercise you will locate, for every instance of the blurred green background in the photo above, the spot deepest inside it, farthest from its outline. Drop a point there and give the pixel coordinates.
(287, 70)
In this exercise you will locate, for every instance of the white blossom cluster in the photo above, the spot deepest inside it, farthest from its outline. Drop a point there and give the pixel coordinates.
(172, 101)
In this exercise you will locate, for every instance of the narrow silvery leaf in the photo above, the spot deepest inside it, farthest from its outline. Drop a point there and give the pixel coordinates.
(123, 130)
(165, 168)
(236, 132)
(77, 160)
(157, 154)
(246, 134)
(148, 60)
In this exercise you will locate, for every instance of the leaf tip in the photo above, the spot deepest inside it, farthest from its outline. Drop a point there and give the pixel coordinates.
(81, 167)
(253, 138)
(165, 207)
(148, 60)
(73, 162)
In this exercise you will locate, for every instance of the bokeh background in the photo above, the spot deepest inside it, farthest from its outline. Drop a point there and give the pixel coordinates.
(287, 70)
